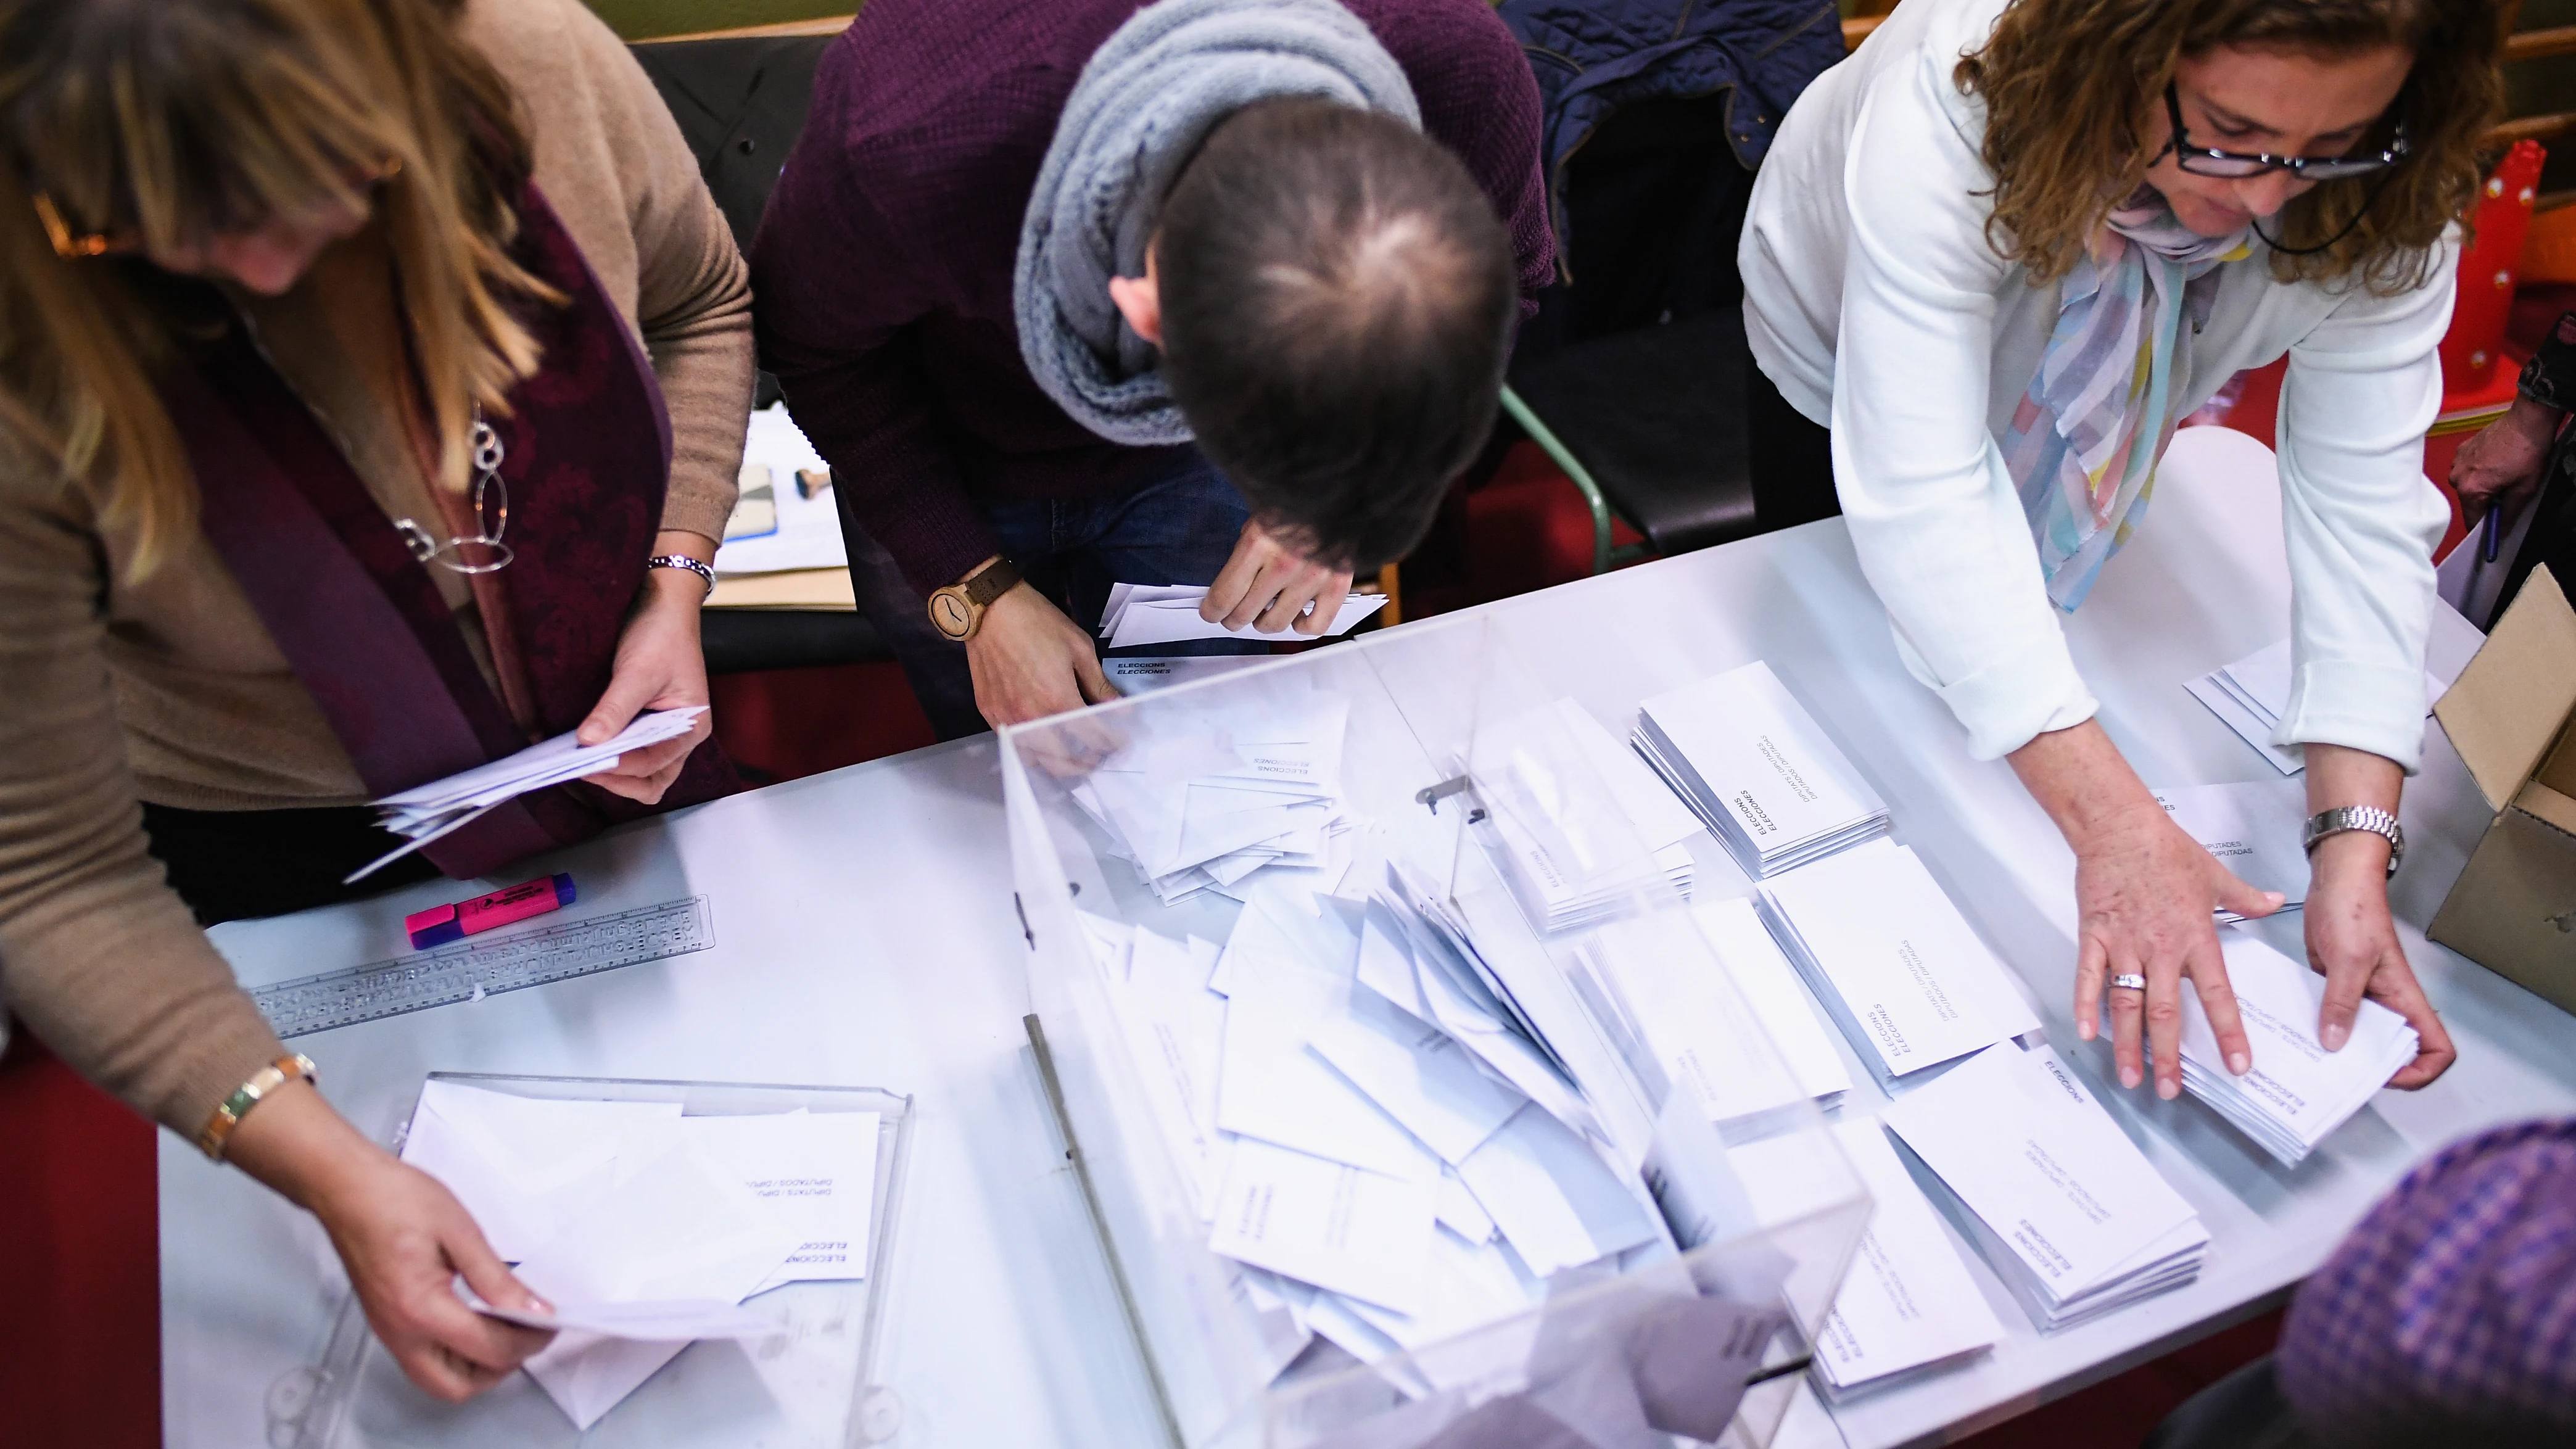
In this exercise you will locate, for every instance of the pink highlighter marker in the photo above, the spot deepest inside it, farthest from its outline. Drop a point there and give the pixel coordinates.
(441, 924)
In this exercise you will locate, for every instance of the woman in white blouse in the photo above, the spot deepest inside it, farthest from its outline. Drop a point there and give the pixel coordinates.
(1999, 252)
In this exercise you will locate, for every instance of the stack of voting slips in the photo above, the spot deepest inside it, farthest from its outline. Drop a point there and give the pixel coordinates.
(2253, 830)
(2298, 1092)
(1567, 879)
(1169, 614)
(1749, 760)
(1907, 1308)
(2064, 1207)
(1675, 1024)
(1202, 796)
(1362, 1120)
(642, 1228)
(1895, 964)
(426, 812)
(2252, 695)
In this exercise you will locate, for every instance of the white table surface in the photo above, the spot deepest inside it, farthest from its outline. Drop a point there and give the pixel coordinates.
(865, 936)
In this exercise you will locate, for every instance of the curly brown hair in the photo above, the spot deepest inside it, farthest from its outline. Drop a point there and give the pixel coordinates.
(2070, 87)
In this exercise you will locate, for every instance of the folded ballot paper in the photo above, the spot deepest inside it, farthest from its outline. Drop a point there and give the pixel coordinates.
(1750, 761)
(426, 812)
(2298, 1092)
(1892, 960)
(1677, 1024)
(1907, 1308)
(1572, 862)
(1202, 795)
(642, 1228)
(2253, 830)
(1140, 614)
(2064, 1207)
(1362, 1119)
(2253, 694)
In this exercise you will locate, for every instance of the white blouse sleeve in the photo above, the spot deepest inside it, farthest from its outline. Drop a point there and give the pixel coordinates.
(1932, 509)
(2359, 517)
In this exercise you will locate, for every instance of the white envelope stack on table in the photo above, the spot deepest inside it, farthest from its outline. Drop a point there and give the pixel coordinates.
(1751, 762)
(1692, 1031)
(2253, 829)
(1895, 964)
(2063, 1206)
(2253, 694)
(1907, 1308)
(1360, 1114)
(643, 1228)
(1200, 797)
(2298, 1092)
(426, 812)
(1571, 878)
(1139, 614)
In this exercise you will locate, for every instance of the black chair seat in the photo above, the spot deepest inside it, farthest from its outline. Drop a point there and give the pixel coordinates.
(738, 641)
(1656, 414)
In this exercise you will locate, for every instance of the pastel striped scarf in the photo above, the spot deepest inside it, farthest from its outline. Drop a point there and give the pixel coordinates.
(2084, 442)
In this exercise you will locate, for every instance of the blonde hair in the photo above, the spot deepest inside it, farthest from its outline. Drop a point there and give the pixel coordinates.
(168, 121)
(2069, 87)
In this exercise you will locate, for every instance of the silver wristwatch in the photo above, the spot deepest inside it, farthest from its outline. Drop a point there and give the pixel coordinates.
(2357, 817)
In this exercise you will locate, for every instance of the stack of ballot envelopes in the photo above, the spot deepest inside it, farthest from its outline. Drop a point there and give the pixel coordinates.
(1365, 1119)
(1204, 793)
(2252, 696)
(2297, 1091)
(426, 812)
(1901, 972)
(1142, 614)
(2062, 1204)
(1751, 762)
(1566, 873)
(643, 1228)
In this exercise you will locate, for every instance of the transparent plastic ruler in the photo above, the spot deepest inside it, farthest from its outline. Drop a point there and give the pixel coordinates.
(478, 966)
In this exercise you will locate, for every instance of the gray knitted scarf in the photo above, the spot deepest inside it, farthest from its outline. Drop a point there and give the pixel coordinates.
(1143, 104)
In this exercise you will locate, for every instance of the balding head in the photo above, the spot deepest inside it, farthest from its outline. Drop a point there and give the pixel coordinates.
(1337, 301)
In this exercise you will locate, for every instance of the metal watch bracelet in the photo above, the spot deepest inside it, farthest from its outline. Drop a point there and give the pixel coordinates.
(2356, 817)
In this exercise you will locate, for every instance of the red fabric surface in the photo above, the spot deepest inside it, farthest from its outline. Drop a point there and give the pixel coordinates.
(80, 1262)
(784, 724)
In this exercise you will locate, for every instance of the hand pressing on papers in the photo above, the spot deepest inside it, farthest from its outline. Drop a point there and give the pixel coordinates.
(403, 1238)
(1030, 661)
(2144, 893)
(660, 665)
(2351, 940)
(1269, 585)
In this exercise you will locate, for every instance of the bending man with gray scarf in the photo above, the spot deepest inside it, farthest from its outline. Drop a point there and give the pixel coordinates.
(1208, 292)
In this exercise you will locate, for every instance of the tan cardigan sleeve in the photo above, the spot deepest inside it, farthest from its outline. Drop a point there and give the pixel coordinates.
(97, 955)
(614, 165)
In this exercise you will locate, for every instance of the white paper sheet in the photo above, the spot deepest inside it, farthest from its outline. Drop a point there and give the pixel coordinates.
(808, 535)
(2252, 829)
(1907, 1301)
(1416, 1074)
(1552, 1195)
(814, 1174)
(521, 1165)
(1338, 1227)
(1170, 615)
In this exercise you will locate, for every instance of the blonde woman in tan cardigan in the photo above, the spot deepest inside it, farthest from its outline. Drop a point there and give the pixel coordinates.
(373, 376)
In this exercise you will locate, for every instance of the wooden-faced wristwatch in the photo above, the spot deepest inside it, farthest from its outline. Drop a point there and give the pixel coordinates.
(958, 610)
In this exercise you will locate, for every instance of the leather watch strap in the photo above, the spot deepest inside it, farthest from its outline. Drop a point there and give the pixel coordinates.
(991, 582)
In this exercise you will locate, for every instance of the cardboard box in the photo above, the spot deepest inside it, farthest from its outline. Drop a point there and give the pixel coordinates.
(2513, 909)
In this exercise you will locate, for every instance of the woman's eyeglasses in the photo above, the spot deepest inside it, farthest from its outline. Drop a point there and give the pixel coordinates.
(2210, 161)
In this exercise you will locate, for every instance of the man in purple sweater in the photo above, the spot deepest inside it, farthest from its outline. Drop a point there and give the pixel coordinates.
(1076, 292)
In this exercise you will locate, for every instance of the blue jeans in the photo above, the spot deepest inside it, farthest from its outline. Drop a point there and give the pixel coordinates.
(1175, 528)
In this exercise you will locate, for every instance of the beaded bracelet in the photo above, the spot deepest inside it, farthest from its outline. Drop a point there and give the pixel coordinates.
(219, 1127)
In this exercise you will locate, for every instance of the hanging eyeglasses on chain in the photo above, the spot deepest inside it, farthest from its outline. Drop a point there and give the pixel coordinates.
(481, 552)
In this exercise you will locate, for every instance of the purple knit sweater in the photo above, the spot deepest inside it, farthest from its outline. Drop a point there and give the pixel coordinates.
(882, 271)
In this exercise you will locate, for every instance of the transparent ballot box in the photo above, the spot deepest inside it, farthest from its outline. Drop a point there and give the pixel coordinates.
(1352, 984)
(812, 1385)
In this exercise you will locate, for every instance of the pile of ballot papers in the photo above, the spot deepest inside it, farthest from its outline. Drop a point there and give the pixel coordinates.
(426, 812)
(1895, 964)
(2254, 830)
(1749, 760)
(2253, 694)
(643, 1229)
(1572, 862)
(2297, 1091)
(1201, 795)
(1362, 1115)
(2064, 1207)
(1139, 614)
